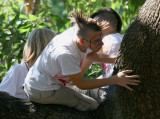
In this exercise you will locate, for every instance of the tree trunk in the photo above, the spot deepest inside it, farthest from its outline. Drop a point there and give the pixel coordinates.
(139, 51)
(31, 6)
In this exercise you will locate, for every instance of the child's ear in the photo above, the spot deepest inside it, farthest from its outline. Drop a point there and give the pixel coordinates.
(81, 41)
(106, 31)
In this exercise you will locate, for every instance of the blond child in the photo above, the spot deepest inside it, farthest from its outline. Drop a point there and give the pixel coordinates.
(13, 81)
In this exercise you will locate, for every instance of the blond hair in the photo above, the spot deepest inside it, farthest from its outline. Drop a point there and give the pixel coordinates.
(36, 42)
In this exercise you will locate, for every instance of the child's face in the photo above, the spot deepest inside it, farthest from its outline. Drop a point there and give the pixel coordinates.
(94, 41)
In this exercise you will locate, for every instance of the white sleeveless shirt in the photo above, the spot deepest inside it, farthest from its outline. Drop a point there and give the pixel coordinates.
(115, 40)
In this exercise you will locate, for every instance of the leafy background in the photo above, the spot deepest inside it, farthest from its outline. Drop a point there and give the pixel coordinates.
(16, 24)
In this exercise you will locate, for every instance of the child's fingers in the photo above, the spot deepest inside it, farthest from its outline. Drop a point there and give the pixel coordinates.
(127, 71)
(132, 76)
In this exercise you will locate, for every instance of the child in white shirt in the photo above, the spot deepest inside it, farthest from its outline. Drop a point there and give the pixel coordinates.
(111, 44)
(13, 81)
(59, 65)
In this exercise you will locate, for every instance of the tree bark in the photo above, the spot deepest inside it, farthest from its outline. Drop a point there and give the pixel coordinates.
(36, 4)
(139, 51)
(31, 6)
(14, 108)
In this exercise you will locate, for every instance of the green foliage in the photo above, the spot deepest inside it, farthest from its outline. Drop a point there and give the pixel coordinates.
(14, 30)
(15, 25)
(128, 9)
(94, 71)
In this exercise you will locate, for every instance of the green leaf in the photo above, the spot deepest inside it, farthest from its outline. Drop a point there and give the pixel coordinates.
(15, 19)
(32, 18)
(23, 30)
(9, 60)
(58, 21)
(23, 16)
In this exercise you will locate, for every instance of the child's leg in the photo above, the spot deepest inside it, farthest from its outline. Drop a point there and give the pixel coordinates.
(98, 94)
(63, 96)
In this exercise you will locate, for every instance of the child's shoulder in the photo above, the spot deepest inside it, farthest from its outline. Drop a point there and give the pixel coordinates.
(18, 67)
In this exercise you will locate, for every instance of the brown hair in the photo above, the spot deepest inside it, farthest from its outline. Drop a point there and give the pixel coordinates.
(110, 15)
(84, 24)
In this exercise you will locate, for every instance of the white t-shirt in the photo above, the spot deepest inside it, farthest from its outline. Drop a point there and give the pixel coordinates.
(13, 81)
(115, 40)
(60, 58)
